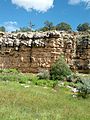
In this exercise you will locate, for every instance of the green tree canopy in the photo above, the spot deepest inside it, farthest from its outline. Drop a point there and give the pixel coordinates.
(47, 26)
(2, 28)
(63, 26)
(83, 27)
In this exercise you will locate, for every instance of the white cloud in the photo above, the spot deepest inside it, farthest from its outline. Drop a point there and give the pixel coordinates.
(73, 2)
(86, 2)
(38, 5)
(11, 26)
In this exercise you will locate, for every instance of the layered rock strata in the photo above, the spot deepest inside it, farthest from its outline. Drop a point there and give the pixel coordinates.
(32, 51)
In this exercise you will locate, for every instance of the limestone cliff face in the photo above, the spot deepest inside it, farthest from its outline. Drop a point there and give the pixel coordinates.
(82, 59)
(32, 51)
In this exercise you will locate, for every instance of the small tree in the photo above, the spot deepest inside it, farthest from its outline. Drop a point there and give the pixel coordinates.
(60, 69)
(63, 26)
(48, 25)
(83, 27)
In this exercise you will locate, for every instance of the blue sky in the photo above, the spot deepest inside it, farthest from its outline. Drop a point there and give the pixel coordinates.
(18, 13)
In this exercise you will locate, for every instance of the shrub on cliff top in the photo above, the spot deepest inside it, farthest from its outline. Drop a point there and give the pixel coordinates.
(60, 69)
(63, 26)
(83, 27)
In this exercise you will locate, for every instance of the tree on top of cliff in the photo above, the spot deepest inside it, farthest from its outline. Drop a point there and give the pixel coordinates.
(63, 26)
(2, 28)
(47, 26)
(83, 27)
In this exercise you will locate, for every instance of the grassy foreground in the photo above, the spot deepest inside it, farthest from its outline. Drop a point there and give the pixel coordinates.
(30, 102)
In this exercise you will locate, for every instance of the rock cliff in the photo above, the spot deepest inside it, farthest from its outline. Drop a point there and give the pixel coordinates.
(32, 51)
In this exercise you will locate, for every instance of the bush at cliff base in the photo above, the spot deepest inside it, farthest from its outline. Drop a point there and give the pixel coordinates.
(60, 70)
(84, 87)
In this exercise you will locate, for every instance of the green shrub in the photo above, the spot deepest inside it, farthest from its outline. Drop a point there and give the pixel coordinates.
(6, 77)
(13, 71)
(60, 69)
(84, 88)
(43, 74)
(73, 78)
(48, 83)
(72, 84)
(23, 78)
(1, 70)
(9, 71)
